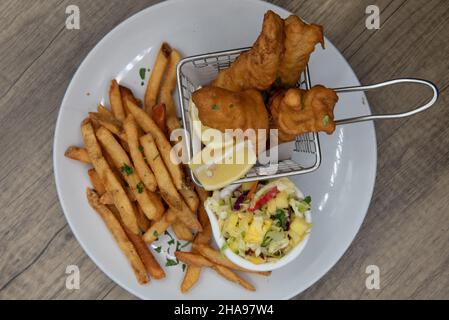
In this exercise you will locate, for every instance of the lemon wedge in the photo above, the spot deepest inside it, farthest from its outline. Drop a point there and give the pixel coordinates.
(217, 168)
(208, 136)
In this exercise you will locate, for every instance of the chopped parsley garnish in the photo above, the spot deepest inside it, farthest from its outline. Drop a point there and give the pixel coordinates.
(215, 107)
(171, 262)
(170, 242)
(281, 219)
(155, 157)
(308, 200)
(326, 120)
(184, 268)
(155, 234)
(142, 72)
(140, 187)
(178, 245)
(127, 169)
(185, 244)
(158, 249)
(168, 234)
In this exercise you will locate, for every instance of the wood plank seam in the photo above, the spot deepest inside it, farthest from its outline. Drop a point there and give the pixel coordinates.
(34, 260)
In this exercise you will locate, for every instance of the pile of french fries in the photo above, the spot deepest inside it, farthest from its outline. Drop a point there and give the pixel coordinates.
(137, 190)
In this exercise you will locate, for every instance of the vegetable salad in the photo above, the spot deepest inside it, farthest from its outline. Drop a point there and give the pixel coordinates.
(262, 222)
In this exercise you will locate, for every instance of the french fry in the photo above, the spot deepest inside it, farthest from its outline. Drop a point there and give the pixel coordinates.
(106, 199)
(204, 236)
(202, 193)
(120, 236)
(193, 273)
(77, 153)
(137, 156)
(142, 220)
(126, 94)
(181, 231)
(166, 186)
(112, 124)
(92, 147)
(159, 116)
(116, 171)
(191, 277)
(157, 74)
(101, 109)
(161, 174)
(96, 181)
(149, 126)
(218, 258)
(190, 197)
(110, 181)
(151, 265)
(148, 201)
(130, 194)
(202, 216)
(193, 259)
(115, 100)
(232, 276)
(159, 227)
(167, 88)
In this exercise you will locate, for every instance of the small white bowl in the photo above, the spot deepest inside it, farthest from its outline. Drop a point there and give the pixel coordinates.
(242, 262)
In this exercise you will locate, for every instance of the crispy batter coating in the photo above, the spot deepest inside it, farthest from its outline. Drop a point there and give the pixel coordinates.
(223, 109)
(300, 42)
(297, 111)
(257, 68)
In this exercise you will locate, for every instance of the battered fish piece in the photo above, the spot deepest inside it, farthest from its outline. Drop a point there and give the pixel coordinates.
(257, 68)
(222, 109)
(300, 42)
(295, 112)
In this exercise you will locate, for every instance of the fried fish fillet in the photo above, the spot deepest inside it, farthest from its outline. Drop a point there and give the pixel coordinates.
(300, 42)
(223, 109)
(258, 67)
(296, 111)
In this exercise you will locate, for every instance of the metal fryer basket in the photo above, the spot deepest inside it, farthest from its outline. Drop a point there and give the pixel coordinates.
(200, 70)
(195, 71)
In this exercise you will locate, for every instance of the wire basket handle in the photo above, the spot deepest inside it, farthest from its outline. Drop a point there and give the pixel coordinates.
(389, 116)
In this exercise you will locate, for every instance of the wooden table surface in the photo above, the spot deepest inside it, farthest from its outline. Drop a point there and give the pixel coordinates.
(405, 232)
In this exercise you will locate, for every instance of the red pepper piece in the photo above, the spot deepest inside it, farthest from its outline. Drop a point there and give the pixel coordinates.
(271, 194)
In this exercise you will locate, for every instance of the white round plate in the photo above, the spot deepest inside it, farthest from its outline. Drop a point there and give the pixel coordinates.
(341, 189)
